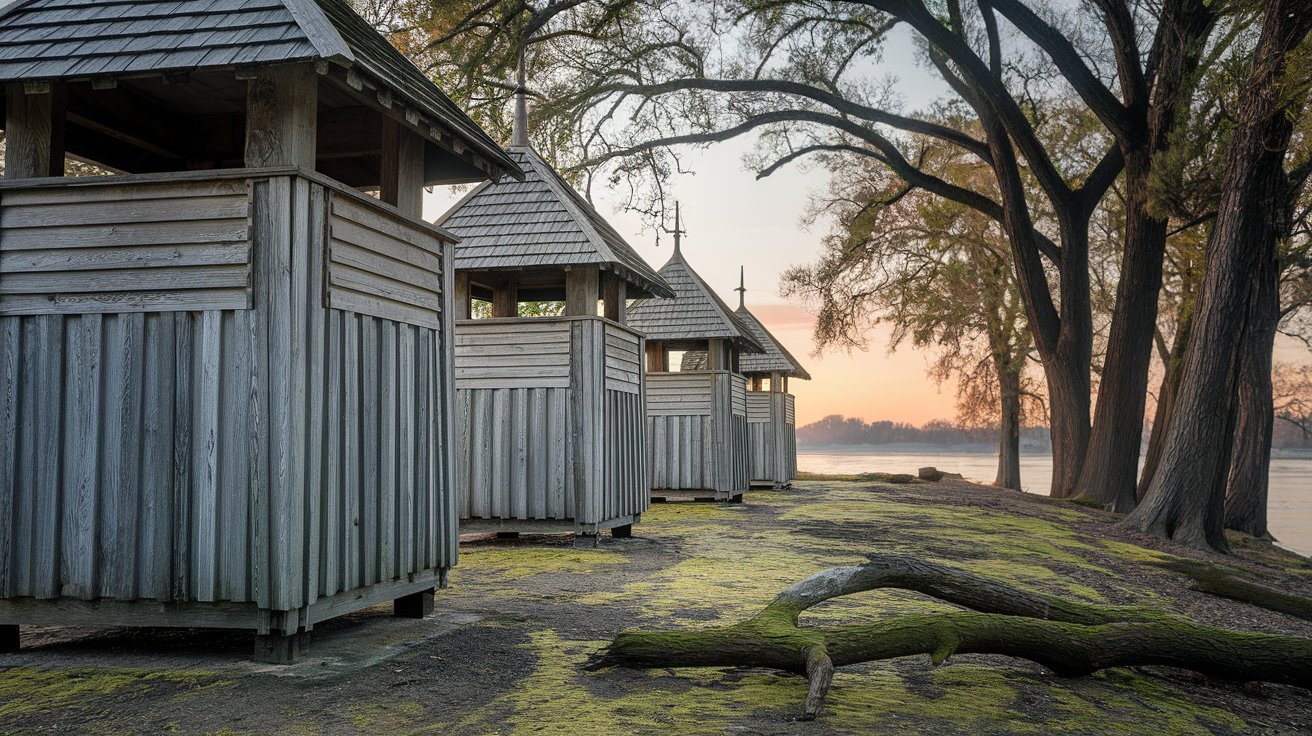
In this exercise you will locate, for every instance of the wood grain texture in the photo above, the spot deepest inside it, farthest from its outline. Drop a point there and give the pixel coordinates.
(697, 424)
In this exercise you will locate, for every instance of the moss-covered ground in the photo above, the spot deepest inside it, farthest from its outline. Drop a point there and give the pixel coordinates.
(503, 653)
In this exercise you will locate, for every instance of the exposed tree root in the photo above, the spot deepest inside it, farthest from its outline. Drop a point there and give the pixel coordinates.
(1219, 581)
(1067, 637)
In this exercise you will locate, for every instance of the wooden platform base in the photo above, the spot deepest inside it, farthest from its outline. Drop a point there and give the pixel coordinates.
(772, 484)
(280, 648)
(415, 605)
(700, 496)
(9, 639)
(513, 528)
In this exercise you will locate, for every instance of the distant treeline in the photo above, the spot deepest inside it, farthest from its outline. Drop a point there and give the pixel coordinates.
(836, 429)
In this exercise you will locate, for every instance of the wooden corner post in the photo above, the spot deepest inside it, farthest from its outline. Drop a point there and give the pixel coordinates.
(282, 105)
(34, 130)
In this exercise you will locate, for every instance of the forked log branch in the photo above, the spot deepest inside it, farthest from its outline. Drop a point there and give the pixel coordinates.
(1067, 637)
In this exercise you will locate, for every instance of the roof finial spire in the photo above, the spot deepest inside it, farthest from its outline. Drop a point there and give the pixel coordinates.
(519, 134)
(678, 231)
(742, 288)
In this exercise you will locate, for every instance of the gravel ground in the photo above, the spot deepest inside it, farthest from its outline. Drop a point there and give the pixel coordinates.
(502, 652)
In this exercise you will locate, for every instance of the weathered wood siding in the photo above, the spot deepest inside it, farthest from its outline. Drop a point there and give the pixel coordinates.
(276, 455)
(549, 420)
(132, 247)
(772, 437)
(697, 430)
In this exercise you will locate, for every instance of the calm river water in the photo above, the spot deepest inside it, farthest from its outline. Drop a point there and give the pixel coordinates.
(1290, 505)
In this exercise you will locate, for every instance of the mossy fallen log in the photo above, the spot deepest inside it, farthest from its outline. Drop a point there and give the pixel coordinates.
(1068, 637)
(1224, 582)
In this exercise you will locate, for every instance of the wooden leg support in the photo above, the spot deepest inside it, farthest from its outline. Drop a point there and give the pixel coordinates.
(280, 648)
(622, 532)
(9, 641)
(415, 605)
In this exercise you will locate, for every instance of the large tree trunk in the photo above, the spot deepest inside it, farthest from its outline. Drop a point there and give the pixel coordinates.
(1185, 500)
(1009, 434)
(1067, 368)
(1171, 372)
(1112, 461)
(1250, 460)
(1069, 638)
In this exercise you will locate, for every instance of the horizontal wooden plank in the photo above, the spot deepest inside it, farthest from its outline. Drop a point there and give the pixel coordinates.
(385, 223)
(545, 348)
(128, 301)
(126, 235)
(352, 301)
(150, 256)
(380, 286)
(371, 262)
(84, 190)
(473, 383)
(349, 232)
(494, 361)
(143, 279)
(128, 210)
(512, 372)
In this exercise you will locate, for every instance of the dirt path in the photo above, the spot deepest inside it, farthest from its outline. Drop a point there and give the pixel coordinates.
(502, 653)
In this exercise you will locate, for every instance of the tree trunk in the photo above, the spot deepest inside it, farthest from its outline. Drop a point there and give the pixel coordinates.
(1068, 368)
(1112, 460)
(1069, 638)
(1165, 401)
(1250, 460)
(1009, 439)
(1185, 500)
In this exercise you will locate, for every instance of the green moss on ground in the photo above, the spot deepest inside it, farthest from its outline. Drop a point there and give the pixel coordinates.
(30, 691)
(509, 564)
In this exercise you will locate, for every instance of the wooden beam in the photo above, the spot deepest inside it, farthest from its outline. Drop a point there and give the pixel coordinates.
(281, 108)
(581, 291)
(614, 296)
(402, 173)
(715, 355)
(505, 300)
(461, 297)
(127, 117)
(655, 356)
(34, 132)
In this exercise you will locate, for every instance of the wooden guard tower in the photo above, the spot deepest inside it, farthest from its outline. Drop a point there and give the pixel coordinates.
(549, 410)
(225, 371)
(771, 415)
(697, 412)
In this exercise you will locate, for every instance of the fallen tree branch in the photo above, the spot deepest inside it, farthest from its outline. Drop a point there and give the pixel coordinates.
(1067, 637)
(1218, 581)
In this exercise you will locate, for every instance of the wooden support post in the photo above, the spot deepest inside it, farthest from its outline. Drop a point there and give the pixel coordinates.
(581, 291)
(415, 605)
(277, 648)
(586, 541)
(655, 356)
(776, 382)
(281, 115)
(505, 300)
(715, 355)
(460, 300)
(402, 173)
(614, 296)
(9, 639)
(622, 532)
(34, 130)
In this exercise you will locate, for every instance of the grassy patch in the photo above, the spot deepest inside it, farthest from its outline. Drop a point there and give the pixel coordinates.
(31, 691)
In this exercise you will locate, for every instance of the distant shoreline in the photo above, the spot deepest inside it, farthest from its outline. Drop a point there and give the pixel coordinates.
(924, 448)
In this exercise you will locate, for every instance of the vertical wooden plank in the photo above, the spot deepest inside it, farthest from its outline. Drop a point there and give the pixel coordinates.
(81, 450)
(402, 168)
(11, 338)
(234, 481)
(34, 131)
(387, 451)
(205, 457)
(353, 411)
(539, 484)
(500, 458)
(519, 453)
(426, 444)
(45, 493)
(313, 482)
(407, 477)
(155, 549)
(111, 461)
(558, 465)
(266, 243)
(480, 476)
(131, 353)
(464, 440)
(332, 544)
(371, 429)
(184, 388)
(444, 387)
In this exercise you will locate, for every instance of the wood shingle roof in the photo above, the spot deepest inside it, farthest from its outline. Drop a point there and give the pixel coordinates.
(695, 312)
(46, 40)
(775, 358)
(541, 221)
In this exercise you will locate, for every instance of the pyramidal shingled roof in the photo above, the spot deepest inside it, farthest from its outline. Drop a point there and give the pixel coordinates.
(775, 358)
(695, 312)
(81, 39)
(541, 221)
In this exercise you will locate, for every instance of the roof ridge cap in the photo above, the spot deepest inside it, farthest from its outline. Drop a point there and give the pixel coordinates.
(319, 29)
